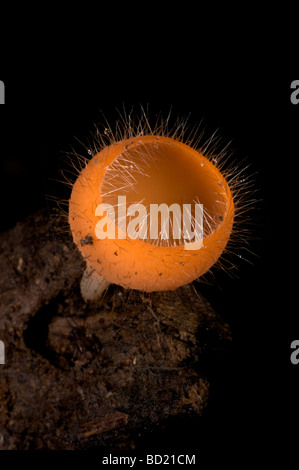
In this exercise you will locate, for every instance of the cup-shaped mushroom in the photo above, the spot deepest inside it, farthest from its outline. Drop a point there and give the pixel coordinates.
(149, 213)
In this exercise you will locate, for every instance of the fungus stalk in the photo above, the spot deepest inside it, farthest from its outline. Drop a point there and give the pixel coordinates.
(92, 285)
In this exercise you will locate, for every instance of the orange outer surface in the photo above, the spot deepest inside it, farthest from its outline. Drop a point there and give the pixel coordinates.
(134, 263)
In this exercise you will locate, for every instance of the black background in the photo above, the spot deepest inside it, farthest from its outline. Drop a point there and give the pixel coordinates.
(50, 100)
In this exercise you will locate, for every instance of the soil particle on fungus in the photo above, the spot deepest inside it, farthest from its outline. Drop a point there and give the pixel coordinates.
(94, 375)
(88, 240)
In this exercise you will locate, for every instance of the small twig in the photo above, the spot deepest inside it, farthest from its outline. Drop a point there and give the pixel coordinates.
(104, 424)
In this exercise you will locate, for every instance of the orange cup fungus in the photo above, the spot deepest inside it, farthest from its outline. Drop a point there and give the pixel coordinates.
(151, 170)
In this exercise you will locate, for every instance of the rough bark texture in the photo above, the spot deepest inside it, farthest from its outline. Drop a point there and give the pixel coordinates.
(83, 375)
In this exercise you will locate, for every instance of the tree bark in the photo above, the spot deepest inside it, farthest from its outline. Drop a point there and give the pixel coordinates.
(94, 375)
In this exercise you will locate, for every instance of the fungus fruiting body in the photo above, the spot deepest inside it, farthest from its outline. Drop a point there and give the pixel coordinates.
(149, 170)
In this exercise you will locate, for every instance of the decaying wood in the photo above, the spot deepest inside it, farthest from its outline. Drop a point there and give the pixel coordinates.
(79, 376)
